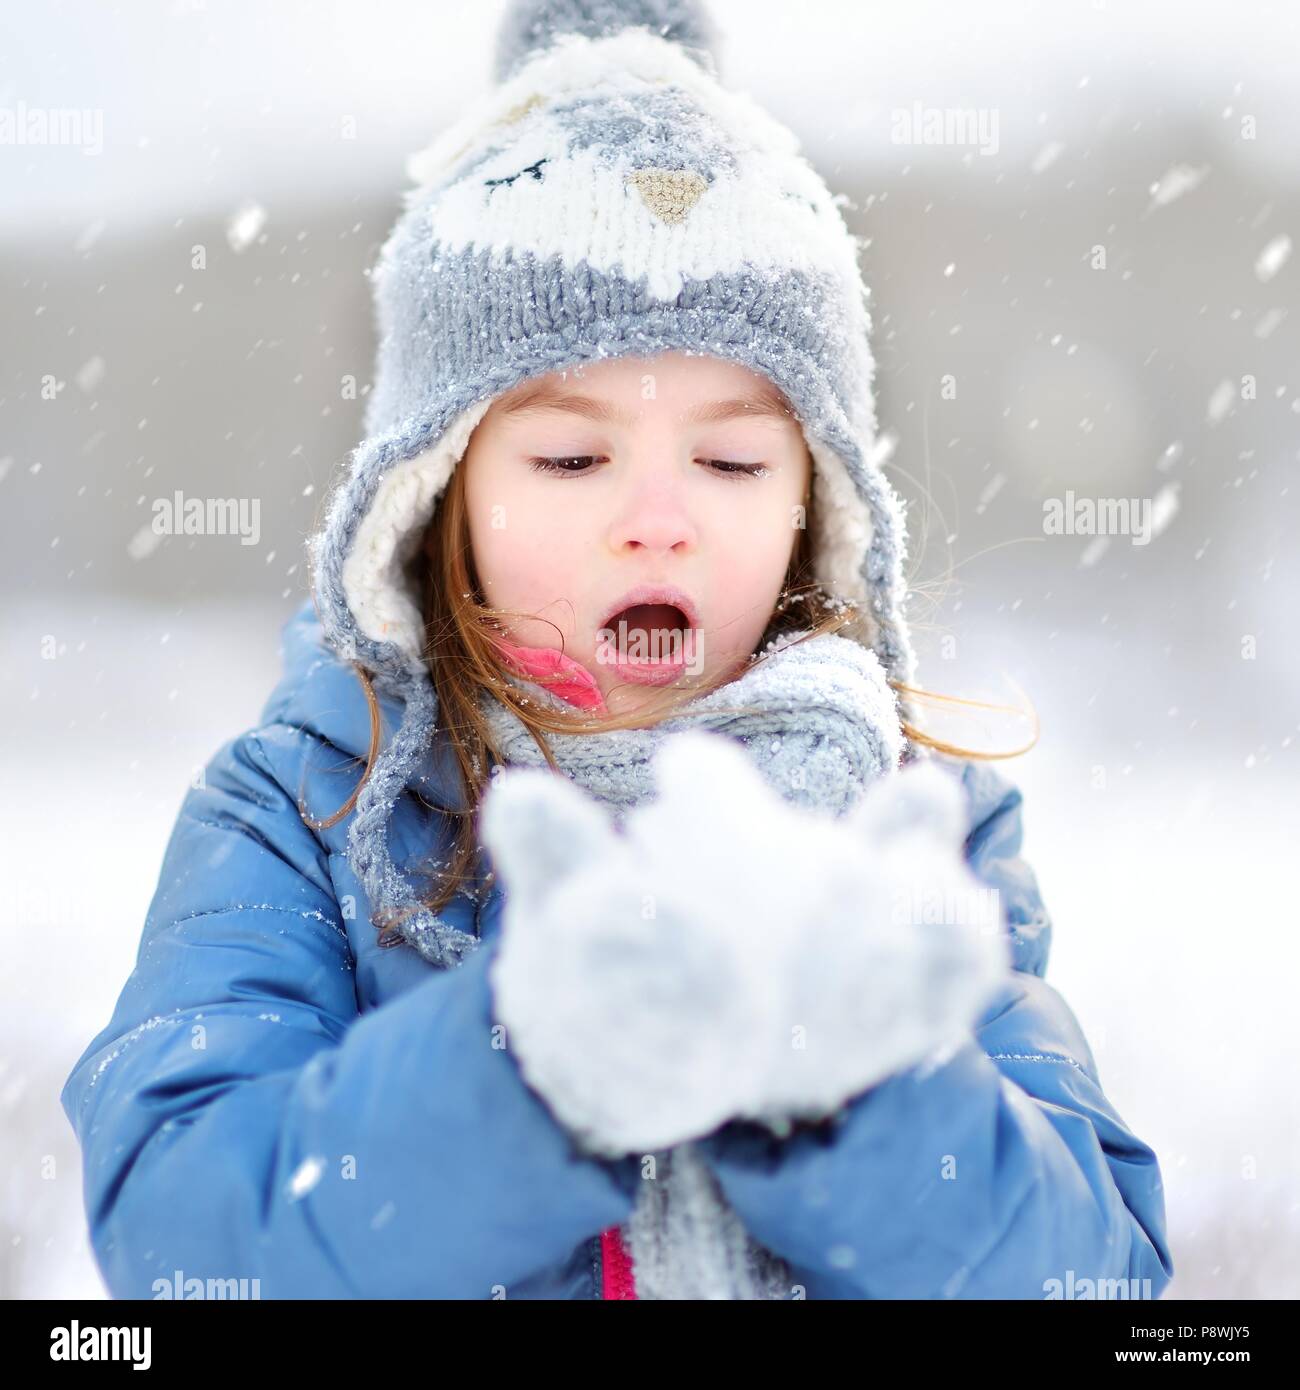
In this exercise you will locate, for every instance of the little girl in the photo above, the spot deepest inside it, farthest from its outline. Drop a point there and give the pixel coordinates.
(412, 1016)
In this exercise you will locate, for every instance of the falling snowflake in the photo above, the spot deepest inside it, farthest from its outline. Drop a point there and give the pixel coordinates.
(305, 1177)
(1174, 183)
(1047, 156)
(245, 226)
(143, 544)
(1220, 402)
(1170, 456)
(90, 374)
(1093, 551)
(1273, 257)
(1164, 507)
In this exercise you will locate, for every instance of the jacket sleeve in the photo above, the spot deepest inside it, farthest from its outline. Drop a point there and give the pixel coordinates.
(239, 1119)
(988, 1175)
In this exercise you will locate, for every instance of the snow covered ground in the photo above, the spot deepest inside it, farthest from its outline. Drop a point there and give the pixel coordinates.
(1174, 919)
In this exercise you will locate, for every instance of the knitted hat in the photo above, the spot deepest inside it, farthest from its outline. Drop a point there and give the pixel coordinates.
(607, 197)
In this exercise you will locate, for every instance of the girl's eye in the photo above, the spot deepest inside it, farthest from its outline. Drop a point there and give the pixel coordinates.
(559, 465)
(722, 466)
(737, 470)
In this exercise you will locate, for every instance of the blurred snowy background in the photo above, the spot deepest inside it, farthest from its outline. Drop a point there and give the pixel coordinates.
(1099, 297)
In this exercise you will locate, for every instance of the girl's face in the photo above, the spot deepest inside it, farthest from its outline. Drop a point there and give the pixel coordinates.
(671, 472)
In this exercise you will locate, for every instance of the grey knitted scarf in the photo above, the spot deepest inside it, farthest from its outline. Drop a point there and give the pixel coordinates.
(820, 724)
(816, 715)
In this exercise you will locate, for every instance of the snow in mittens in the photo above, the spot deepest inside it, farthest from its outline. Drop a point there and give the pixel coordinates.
(729, 953)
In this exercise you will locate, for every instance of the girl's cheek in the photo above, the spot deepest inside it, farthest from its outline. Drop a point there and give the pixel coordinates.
(535, 566)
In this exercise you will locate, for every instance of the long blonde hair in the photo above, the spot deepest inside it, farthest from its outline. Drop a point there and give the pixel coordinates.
(461, 634)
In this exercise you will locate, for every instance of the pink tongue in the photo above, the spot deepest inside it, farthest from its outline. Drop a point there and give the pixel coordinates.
(649, 617)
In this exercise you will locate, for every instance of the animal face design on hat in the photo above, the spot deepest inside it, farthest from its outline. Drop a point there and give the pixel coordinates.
(644, 150)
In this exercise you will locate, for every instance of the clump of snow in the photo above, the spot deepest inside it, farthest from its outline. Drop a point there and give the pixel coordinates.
(731, 954)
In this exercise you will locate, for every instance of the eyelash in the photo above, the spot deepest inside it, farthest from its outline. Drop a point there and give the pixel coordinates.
(553, 465)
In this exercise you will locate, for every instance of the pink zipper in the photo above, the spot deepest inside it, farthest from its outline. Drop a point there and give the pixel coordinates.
(617, 1278)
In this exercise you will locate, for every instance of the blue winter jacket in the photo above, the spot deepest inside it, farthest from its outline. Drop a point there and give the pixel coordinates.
(278, 1098)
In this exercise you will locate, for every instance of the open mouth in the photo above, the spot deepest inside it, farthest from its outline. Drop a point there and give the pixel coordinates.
(649, 641)
(653, 621)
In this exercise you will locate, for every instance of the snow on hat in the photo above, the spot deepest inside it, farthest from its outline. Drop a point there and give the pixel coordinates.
(608, 197)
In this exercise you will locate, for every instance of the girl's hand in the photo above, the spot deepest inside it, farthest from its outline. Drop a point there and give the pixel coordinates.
(730, 955)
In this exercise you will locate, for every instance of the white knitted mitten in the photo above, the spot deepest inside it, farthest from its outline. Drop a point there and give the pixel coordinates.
(729, 954)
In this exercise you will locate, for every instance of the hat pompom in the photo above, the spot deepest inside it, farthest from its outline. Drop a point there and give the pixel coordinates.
(532, 26)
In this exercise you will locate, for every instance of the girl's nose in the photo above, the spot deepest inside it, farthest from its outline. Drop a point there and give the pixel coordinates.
(653, 518)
